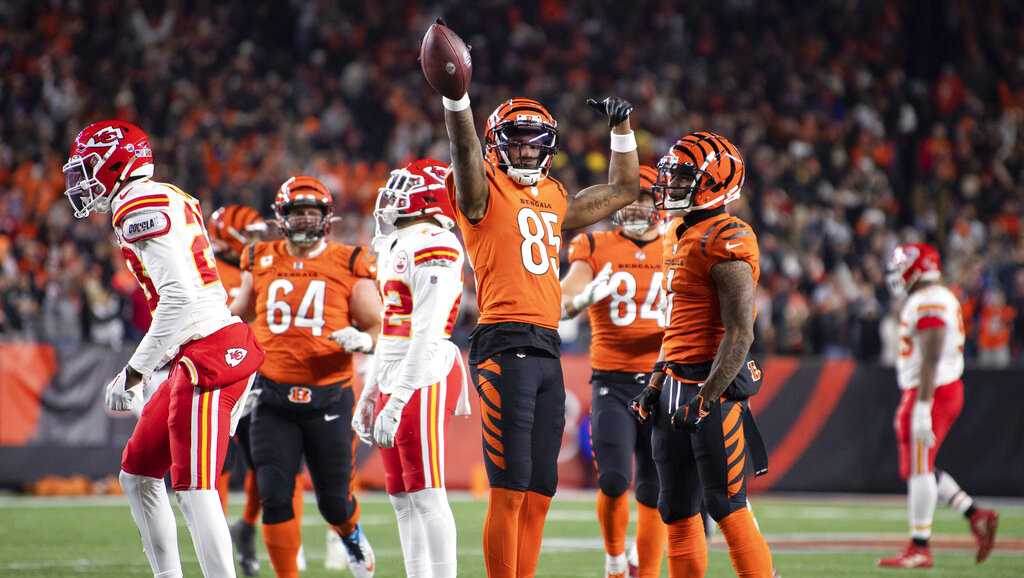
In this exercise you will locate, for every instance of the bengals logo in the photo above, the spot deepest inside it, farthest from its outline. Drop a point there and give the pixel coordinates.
(300, 395)
(755, 371)
(235, 356)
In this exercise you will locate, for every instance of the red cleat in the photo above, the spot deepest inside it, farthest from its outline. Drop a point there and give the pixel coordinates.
(913, 557)
(983, 526)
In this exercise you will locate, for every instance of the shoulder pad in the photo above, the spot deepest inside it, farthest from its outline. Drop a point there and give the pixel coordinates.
(439, 254)
(138, 198)
(144, 224)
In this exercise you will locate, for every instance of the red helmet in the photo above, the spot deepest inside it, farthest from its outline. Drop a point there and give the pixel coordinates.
(105, 156)
(701, 171)
(231, 227)
(522, 123)
(911, 263)
(417, 189)
(638, 217)
(303, 191)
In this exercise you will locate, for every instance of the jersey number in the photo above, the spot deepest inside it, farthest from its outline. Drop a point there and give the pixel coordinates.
(202, 253)
(311, 309)
(397, 298)
(533, 226)
(623, 309)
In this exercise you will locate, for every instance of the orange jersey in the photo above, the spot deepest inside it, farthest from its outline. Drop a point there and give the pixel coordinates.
(230, 277)
(299, 303)
(514, 249)
(627, 327)
(695, 323)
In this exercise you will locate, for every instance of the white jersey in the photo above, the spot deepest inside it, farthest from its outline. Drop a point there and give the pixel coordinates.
(419, 275)
(163, 239)
(932, 306)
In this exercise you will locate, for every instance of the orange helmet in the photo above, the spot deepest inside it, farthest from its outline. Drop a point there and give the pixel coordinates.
(303, 191)
(637, 217)
(701, 171)
(231, 227)
(522, 123)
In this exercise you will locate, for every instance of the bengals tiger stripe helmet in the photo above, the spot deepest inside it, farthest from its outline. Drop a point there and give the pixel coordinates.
(304, 191)
(702, 170)
(637, 217)
(231, 227)
(521, 123)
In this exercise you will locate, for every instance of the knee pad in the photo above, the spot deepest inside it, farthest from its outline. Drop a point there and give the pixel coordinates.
(336, 509)
(276, 490)
(613, 484)
(647, 494)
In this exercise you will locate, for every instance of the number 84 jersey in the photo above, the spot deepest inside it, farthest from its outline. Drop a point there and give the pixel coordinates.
(420, 282)
(626, 327)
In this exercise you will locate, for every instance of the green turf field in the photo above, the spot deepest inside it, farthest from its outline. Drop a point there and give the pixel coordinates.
(811, 538)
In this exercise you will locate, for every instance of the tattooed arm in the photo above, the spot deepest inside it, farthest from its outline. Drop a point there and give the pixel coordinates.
(735, 283)
(599, 201)
(467, 164)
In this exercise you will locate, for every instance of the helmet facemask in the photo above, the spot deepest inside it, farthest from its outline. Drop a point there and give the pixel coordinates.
(638, 217)
(525, 148)
(304, 229)
(84, 191)
(678, 184)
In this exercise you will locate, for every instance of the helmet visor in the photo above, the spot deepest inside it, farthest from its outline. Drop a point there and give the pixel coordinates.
(527, 146)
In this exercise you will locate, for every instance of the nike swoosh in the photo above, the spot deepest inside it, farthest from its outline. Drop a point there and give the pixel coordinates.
(329, 417)
(521, 355)
(732, 245)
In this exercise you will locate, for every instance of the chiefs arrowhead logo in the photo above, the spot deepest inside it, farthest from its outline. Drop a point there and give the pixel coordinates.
(235, 356)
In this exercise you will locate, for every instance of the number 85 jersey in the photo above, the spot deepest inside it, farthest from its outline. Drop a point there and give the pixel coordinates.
(299, 303)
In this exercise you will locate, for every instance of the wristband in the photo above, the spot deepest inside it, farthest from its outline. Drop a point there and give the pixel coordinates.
(621, 143)
(456, 105)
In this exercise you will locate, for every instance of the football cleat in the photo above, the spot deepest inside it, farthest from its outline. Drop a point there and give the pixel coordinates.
(243, 536)
(337, 557)
(360, 555)
(983, 526)
(615, 566)
(913, 557)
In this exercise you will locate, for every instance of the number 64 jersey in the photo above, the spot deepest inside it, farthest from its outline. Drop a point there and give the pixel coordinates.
(163, 240)
(420, 281)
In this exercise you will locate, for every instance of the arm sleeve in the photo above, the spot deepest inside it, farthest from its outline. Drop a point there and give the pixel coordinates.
(928, 316)
(436, 285)
(168, 267)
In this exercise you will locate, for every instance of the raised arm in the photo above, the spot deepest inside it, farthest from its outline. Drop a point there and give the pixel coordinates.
(597, 202)
(467, 158)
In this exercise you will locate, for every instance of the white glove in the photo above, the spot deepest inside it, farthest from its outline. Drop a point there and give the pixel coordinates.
(351, 339)
(119, 401)
(599, 288)
(362, 419)
(921, 423)
(386, 426)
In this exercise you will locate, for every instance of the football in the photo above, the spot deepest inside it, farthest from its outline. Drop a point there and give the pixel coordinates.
(445, 60)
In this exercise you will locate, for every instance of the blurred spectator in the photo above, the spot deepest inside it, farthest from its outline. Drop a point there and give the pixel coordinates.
(994, 330)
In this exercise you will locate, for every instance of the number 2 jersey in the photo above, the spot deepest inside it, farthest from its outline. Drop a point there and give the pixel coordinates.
(299, 303)
(933, 306)
(695, 327)
(419, 277)
(163, 240)
(627, 327)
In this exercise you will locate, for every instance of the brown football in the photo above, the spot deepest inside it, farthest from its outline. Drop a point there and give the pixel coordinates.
(445, 60)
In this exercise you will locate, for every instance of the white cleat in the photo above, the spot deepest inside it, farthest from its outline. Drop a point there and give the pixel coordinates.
(615, 566)
(360, 555)
(300, 559)
(337, 557)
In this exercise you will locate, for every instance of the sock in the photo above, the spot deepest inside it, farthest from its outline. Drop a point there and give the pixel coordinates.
(747, 548)
(251, 512)
(151, 510)
(949, 491)
(283, 541)
(345, 529)
(209, 530)
(613, 516)
(687, 548)
(223, 483)
(531, 532)
(651, 536)
(922, 493)
(501, 527)
(410, 534)
(437, 524)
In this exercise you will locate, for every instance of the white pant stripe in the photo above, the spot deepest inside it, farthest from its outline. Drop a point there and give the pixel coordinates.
(424, 393)
(194, 446)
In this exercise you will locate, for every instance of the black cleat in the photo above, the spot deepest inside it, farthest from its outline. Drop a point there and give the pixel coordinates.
(243, 536)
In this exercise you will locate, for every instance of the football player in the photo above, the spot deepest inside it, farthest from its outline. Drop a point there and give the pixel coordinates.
(418, 379)
(213, 356)
(231, 228)
(314, 304)
(511, 214)
(929, 370)
(616, 276)
(697, 394)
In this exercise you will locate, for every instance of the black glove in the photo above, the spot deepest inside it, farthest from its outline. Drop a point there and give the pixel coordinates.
(644, 405)
(689, 416)
(615, 108)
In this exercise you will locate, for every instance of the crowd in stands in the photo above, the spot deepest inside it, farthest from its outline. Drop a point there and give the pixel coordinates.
(862, 124)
